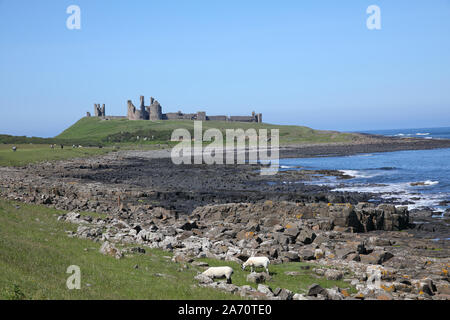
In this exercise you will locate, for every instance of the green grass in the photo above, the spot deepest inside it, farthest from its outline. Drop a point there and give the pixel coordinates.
(32, 153)
(95, 130)
(298, 283)
(36, 252)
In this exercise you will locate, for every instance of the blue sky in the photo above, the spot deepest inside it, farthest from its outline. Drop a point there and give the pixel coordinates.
(310, 63)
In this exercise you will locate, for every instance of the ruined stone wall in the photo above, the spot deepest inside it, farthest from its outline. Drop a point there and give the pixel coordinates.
(180, 116)
(153, 112)
(133, 113)
(242, 119)
(201, 116)
(259, 118)
(99, 111)
(217, 118)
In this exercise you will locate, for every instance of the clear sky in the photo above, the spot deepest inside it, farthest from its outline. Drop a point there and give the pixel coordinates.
(310, 63)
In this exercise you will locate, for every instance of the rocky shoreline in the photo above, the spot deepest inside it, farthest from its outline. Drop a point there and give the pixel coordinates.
(232, 212)
(368, 144)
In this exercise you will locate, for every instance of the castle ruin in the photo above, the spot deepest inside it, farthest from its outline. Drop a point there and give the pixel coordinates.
(153, 112)
(99, 112)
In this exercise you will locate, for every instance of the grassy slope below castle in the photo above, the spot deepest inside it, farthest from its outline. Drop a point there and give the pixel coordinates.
(95, 130)
(36, 251)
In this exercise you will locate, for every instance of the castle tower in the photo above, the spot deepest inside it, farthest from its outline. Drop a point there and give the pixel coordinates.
(142, 108)
(259, 118)
(201, 116)
(96, 110)
(99, 112)
(131, 111)
(155, 110)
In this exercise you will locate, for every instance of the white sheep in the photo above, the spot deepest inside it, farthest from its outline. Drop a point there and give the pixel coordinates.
(257, 262)
(219, 272)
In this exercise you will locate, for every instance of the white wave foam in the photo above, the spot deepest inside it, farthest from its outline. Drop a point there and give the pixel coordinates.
(402, 192)
(358, 174)
(422, 134)
(424, 183)
(381, 188)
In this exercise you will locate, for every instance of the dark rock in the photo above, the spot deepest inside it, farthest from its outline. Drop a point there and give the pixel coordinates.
(315, 290)
(285, 294)
(306, 254)
(291, 256)
(260, 277)
(306, 236)
(189, 225)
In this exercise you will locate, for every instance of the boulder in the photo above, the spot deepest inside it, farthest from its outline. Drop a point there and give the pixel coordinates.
(228, 287)
(201, 278)
(285, 294)
(299, 296)
(291, 232)
(110, 249)
(306, 254)
(332, 274)
(376, 257)
(74, 217)
(291, 256)
(189, 225)
(315, 290)
(181, 258)
(265, 289)
(319, 254)
(306, 236)
(258, 277)
(427, 286)
(334, 294)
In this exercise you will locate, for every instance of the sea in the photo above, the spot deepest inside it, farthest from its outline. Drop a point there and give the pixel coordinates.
(416, 178)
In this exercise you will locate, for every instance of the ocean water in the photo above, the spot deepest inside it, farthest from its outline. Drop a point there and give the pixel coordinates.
(426, 133)
(420, 178)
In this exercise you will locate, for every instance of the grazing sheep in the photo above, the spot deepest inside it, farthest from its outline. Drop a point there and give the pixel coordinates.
(257, 262)
(14, 148)
(219, 272)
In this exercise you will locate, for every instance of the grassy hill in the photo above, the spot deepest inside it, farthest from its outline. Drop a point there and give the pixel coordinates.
(99, 131)
(94, 132)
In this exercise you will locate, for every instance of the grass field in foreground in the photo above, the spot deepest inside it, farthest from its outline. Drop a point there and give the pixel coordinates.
(35, 253)
(32, 153)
